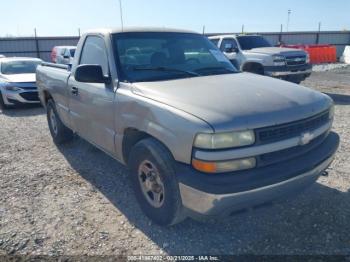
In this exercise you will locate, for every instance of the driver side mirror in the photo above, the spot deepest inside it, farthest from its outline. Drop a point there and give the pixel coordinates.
(91, 74)
(229, 48)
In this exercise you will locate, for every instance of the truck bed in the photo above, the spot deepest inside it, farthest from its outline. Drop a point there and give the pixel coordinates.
(66, 67)
(53, 79)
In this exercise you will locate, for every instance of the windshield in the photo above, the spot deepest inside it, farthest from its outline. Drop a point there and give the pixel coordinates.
(250, 42)
(19, 67)
(155, 56)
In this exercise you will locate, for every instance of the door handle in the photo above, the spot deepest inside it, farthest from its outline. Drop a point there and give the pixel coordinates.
(75, 90)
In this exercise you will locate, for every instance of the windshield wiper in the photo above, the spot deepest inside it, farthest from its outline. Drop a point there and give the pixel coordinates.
(165, 69)
(216, 68)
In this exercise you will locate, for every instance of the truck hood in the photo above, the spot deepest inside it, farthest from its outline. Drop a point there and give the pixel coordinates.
(230, 102)
(276, 51)
(19, 78)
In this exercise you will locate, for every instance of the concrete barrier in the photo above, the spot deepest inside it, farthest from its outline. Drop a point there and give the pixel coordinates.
(346, 56)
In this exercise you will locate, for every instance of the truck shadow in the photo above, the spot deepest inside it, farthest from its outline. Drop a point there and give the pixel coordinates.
(340, 99)
(23, 111)
(317, 221)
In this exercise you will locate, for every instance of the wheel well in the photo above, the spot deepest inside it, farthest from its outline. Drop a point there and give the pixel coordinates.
(131, 137)
(253, 67)
(47, 97)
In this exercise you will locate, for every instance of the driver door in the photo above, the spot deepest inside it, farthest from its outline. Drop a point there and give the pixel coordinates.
(92, 104)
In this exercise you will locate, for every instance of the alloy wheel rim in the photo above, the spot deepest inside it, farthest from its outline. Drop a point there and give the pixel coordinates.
(151, 184)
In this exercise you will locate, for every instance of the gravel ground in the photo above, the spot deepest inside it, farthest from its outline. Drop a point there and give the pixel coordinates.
(75, 200)
(328, 67)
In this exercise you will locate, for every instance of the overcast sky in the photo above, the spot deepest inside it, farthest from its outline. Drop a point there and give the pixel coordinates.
(64, 17)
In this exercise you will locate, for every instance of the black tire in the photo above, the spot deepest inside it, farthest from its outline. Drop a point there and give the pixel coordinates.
(297, 82)
(60, 133)
(2, 103)
(171, 210)
(259, 70)
(255, 69)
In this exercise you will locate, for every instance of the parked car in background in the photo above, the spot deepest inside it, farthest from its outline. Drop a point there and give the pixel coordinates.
(63, 54)
(17, 81)
(253, 53)
(200, 138)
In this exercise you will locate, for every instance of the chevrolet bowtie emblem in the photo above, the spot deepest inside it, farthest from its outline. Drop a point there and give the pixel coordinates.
(306, 138)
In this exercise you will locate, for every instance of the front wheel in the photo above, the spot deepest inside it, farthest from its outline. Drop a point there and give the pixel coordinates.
(59, 132)
(255, 69)
(295, 80)
(154, 182)
(2, 103)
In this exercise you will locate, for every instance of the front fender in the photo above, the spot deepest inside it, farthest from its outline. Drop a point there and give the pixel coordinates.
(174, 128)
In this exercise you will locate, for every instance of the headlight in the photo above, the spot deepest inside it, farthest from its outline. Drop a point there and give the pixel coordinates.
(225, 166)
(307, 58)
(279, 60)
(225, 140)
(12, 88)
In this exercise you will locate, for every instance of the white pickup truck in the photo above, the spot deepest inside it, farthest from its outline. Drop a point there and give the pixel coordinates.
(253, 53)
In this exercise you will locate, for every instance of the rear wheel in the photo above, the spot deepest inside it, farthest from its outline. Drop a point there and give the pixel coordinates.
(59, 132)
(154, 182)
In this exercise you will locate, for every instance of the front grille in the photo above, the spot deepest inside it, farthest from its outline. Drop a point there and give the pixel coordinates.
(30, 96)
(289, 130)
(296, 60)
(26, 85)
(289, 153)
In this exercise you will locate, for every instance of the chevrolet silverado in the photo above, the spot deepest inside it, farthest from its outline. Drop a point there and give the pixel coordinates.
(200, 138)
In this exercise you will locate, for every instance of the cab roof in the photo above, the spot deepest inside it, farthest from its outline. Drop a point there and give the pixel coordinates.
(9, 59)
(136, 29)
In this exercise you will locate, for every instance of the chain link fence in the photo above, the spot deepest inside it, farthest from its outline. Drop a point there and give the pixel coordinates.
(41, 46)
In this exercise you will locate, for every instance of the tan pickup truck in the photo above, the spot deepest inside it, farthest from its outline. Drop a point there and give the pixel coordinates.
(200, 138)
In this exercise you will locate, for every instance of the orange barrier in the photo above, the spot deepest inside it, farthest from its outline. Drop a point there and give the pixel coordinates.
(318, 53)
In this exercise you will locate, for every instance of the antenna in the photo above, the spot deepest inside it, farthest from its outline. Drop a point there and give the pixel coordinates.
(289, 13)
(121, 14)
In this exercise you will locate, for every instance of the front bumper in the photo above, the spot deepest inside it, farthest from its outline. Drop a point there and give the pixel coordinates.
(221, 196)
(286, 71)
(20, 97)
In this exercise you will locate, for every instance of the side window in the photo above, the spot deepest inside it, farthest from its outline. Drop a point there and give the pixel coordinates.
(95, 53)
(215, 41)
(226, 41)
